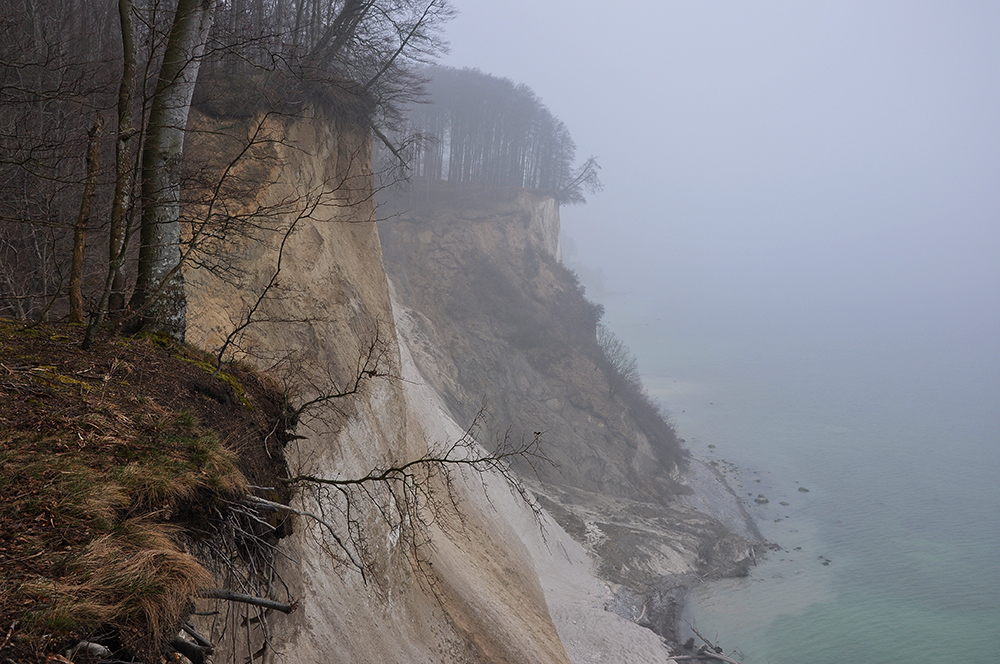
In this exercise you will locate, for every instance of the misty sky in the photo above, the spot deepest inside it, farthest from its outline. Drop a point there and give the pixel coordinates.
(817, 163)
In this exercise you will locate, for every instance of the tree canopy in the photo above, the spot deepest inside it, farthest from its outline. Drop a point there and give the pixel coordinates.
(488, 131)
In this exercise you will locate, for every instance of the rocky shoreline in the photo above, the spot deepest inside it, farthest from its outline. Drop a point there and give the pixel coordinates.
(650, 556)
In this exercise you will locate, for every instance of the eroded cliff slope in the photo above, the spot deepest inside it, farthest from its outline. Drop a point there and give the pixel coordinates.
(460, 581)
(468, 572)
(493, 317)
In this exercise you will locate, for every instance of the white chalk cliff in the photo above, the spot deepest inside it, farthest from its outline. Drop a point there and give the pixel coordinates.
(491, 582)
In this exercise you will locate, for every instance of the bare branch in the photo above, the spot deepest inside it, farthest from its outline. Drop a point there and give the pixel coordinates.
(404, 495)
(231, 596)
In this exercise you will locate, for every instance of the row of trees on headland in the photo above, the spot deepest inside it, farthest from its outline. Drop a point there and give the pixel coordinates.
(492, 133)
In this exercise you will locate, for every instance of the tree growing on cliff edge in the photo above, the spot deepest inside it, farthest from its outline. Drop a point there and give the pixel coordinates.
(362, 43)
(143, 61)
(159, 287)
(407, 496)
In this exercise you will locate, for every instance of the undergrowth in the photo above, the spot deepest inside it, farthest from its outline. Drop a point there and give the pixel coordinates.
(105, 470)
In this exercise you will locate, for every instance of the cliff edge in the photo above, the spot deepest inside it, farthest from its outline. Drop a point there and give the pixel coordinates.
(393, 546)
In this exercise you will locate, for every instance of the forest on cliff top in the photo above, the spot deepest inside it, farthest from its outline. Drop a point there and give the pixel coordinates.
(141, 140)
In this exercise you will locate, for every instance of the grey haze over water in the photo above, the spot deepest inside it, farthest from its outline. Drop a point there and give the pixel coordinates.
(800, 238)
(827, 165)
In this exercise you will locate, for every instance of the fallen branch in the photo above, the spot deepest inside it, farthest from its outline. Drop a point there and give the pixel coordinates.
(231, 596)
(199, 639)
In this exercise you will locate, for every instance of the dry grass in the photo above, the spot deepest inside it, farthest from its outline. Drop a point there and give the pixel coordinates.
(106, 475)
(110, 556)
(136, 579)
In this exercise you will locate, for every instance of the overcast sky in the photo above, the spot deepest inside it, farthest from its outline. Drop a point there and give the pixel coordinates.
(767, 159)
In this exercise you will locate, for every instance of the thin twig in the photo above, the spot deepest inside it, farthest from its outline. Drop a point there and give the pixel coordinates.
(9, 633)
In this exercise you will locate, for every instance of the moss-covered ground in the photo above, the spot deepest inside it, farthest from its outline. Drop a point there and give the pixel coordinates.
(108, 460)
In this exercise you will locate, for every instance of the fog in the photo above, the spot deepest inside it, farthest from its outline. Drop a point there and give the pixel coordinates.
(795, 175)
(799, 238)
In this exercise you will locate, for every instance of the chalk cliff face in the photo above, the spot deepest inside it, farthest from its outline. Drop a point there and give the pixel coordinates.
(475, 596)
(304, 296)
(491, 314)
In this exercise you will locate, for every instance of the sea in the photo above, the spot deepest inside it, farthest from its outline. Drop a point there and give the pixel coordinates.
(876, 446)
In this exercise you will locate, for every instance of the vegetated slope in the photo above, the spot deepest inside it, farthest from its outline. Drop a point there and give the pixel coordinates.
(492, 316)
(116, 466)
(519, 332)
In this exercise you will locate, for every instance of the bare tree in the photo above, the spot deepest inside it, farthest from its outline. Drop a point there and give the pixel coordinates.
(408, 495)
(585, 179)
(159, 289)
(620, 366)
(366, 53)
(82, 225)
(405, 497)
(113, 294)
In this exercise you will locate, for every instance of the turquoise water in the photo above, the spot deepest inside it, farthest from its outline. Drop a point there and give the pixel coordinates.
(893, 553)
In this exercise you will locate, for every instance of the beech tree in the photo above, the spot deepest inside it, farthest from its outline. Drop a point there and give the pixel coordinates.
(159, 289)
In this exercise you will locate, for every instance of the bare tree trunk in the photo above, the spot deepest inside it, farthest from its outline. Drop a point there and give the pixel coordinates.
(341, 30)
(159, 290)
(82, 222)
(113, 295)
(124, 172)
(297, 30)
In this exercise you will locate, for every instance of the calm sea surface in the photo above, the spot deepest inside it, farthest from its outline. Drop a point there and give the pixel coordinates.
(879, 454)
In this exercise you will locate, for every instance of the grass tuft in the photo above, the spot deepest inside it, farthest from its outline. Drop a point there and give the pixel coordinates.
(135, 578)
(106, 470)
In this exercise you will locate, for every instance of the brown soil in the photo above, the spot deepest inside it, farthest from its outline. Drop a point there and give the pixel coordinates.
(141, 417)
